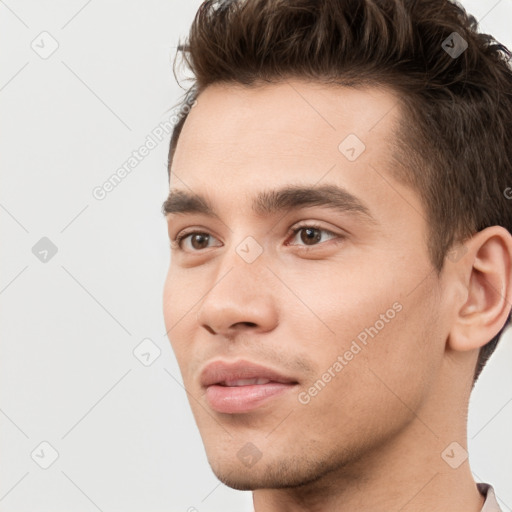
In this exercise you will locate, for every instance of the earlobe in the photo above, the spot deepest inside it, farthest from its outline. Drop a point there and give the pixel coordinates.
(488, 279)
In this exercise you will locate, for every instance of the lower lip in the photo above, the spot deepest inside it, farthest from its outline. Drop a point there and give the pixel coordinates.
(234, 399)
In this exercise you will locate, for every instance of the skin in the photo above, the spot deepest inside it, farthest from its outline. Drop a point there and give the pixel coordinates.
(373, 437)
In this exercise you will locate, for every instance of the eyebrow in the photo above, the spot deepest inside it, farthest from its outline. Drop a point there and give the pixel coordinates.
(274, 201)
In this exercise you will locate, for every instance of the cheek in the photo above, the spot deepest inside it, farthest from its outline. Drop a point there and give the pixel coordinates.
(180, 294)
(389, 354)
(332, 306)
(169, 299)
(372, 322)
(179, 297)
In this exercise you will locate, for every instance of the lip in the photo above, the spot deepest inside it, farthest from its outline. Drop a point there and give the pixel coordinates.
(239, 399)
(220, 371)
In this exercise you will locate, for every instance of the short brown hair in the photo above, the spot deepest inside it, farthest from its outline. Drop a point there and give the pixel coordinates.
(453, 144)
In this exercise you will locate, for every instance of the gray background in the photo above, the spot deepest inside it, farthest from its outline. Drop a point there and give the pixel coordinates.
(125, 437)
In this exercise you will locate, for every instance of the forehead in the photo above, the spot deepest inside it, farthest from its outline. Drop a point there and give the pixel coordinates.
(240, 140)
(248, 129)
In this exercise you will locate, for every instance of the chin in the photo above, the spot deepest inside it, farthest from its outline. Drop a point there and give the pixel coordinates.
(278, 474)
(236, 481)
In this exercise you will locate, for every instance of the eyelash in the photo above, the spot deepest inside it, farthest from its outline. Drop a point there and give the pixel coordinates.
(176, 243)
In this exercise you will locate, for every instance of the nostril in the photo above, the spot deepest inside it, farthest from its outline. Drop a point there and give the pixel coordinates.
(233, 327)
(248, 324)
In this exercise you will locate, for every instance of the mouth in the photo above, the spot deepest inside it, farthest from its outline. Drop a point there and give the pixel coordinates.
(242, 386)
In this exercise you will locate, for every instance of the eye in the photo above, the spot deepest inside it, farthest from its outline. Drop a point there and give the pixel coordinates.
(312, 234)
(199, 239)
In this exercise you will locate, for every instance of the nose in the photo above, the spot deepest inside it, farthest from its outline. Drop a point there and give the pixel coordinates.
(241, 297)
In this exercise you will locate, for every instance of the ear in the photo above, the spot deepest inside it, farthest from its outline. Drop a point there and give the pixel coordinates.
(486, 274)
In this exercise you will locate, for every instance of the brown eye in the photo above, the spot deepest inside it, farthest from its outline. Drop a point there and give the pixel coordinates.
(311, 235)
(198, 240)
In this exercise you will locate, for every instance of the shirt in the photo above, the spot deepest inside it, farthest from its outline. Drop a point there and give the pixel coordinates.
(490, 503)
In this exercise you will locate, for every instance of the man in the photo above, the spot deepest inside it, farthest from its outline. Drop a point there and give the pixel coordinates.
(341, 250)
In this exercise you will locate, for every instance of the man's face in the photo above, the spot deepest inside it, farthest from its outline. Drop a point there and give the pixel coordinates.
(349, 309)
